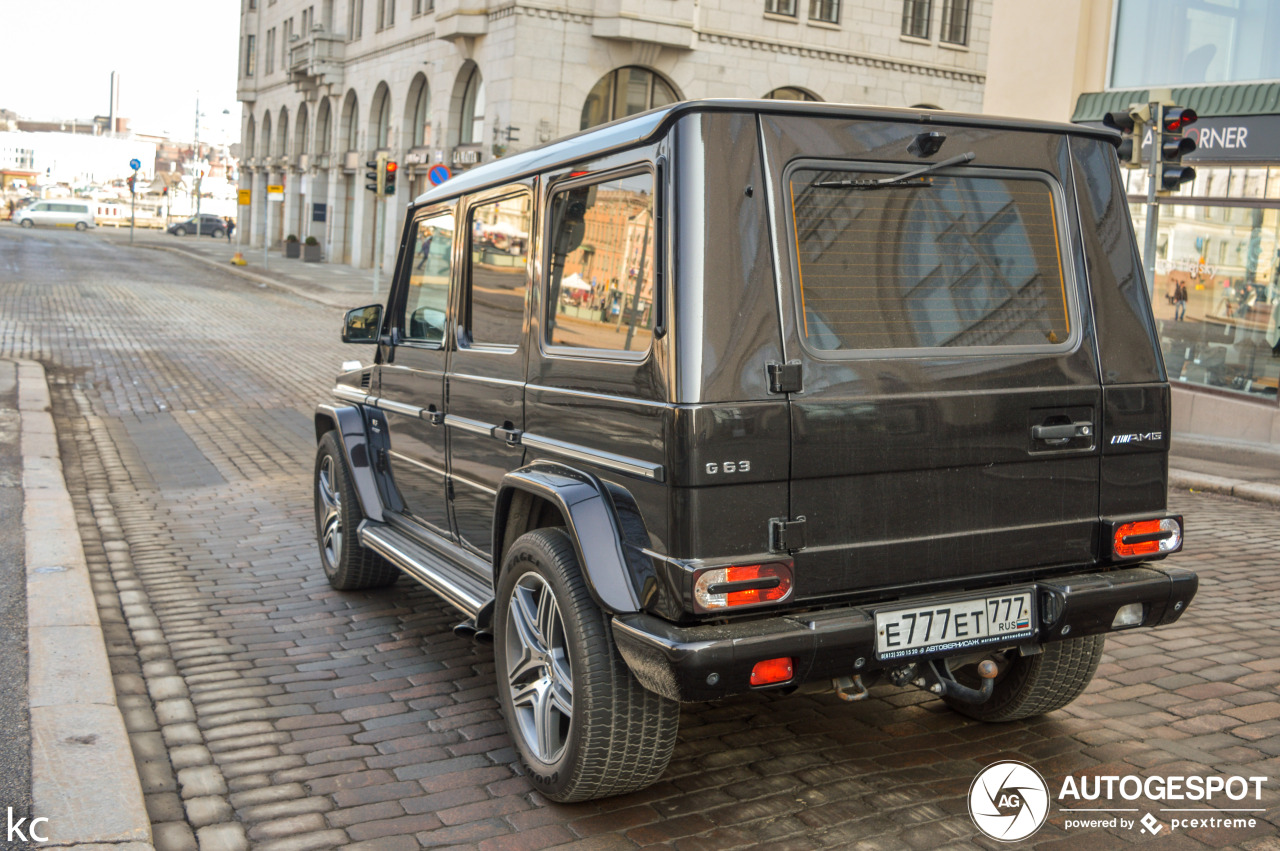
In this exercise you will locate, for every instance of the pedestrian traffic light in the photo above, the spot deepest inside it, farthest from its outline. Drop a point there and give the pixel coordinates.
(1132, 124)
(389, 178)
(1173, 146)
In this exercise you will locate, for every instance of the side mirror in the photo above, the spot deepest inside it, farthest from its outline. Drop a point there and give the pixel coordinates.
(362, 325)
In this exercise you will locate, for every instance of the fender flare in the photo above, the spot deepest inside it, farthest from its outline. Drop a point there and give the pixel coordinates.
(607, 531)
(348, 422)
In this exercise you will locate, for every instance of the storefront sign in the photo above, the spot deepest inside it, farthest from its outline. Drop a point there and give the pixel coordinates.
(465, 156)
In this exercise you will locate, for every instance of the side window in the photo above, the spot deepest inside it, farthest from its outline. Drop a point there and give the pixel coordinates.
(427, 297)
(498, 244)
(601, 275)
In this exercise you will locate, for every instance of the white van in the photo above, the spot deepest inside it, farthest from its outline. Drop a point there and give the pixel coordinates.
(64, 213)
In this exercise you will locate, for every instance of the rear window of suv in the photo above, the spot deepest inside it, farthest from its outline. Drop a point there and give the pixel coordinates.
(948, 260)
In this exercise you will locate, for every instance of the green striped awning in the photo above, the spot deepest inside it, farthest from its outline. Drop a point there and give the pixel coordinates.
(1207, 101)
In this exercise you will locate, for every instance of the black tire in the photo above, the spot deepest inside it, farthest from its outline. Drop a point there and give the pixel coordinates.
(616, 736)
(81, 226)
(1033, 685)
(218, 233)
(27, 223)
(347, 565)
(179, 231)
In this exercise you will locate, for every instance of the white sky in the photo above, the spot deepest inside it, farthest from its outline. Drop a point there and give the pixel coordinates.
(56, 59)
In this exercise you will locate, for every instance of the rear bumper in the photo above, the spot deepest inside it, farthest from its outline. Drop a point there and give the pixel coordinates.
(715, 660)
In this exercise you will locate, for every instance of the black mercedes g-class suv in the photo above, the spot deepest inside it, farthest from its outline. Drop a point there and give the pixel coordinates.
(739, 395)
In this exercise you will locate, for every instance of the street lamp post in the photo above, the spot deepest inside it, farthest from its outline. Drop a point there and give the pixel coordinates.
(199, 175)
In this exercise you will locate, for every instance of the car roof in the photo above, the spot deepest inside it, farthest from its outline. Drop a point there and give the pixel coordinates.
(646, 126)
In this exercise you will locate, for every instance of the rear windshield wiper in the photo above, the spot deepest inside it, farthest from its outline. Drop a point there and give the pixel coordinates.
(896, 180)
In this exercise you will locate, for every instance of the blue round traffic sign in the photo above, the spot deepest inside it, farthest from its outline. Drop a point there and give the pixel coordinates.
(135, 163)
(439, 174)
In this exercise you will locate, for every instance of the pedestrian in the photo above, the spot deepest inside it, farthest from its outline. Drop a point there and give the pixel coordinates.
(1179, 302)
(230, 226)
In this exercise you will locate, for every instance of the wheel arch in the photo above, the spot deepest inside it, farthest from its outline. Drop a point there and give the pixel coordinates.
(348, 422)
(602, 520)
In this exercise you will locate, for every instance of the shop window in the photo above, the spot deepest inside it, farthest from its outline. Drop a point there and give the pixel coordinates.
(1188, 42)
(624, 92)
(601, 292)
(955, 22)
(915, 18)
(498, 241)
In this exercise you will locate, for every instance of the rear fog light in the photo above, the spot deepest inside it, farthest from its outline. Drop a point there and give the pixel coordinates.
(772, 671)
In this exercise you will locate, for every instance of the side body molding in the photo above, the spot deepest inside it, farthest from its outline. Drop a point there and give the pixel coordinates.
(349, 423)
(609, 545)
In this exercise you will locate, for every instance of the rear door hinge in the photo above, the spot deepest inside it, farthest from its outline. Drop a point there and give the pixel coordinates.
(786, 535)
(785, 377)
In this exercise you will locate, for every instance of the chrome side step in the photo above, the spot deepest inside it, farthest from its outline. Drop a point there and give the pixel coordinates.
(456, 586)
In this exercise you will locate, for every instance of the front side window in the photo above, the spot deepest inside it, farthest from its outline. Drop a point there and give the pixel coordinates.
(780, 7)
(427, 294)
(827, 11)
(497, 276)
(915, 18)
(955, 22)
(948, 261)
(601, 290)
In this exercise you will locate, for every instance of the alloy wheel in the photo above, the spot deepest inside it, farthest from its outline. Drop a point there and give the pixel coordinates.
(539, 671)
(331, 522)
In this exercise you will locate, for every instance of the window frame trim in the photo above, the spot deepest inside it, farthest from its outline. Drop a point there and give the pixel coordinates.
(552, 350)
(1065, 240)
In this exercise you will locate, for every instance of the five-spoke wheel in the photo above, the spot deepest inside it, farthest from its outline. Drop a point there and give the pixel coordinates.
(539, 669)
(347, 565)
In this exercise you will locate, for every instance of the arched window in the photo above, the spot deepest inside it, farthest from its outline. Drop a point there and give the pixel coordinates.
(282, 147)
(790, 93)
(324, 127)
(250, 134)
(302, 132)
(381, 116)
(624, 92)
(420, 119)
(266, 136)
(471, 115)
(351, 121)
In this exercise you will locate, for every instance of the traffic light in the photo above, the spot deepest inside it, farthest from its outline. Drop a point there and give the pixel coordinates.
(1132, 124)
(129, 180)
(389, 178)
(1174, 120)
(378, 175)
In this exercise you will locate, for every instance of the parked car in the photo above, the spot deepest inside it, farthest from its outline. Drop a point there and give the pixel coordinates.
(845, 396)
(210, 225)
(67, 214)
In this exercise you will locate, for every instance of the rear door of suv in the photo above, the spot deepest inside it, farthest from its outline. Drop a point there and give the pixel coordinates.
(944, 432)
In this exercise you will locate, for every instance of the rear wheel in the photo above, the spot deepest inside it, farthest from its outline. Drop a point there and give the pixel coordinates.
(218, 233)
(581, 721)
(347, 565)
(1033, 685)
(27, 223)
(81, 226)
(180, 231)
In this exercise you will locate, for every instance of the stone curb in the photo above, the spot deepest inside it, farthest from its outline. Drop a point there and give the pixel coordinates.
(83, 776)
(261, 280)
(1254, 491)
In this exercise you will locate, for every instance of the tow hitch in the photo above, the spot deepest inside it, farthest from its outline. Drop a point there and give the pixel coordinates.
(935, 677)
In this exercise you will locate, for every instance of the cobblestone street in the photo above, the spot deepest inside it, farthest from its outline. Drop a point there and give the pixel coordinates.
(268, 711)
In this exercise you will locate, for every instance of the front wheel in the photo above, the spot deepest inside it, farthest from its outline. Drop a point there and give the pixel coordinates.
(81, 226)
(347, 565)
(180, 232)
(1033, 685)
(27, 223)
(218, 233)
(582, 723)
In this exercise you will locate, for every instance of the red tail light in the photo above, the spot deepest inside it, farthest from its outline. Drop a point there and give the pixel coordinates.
(772, 671)
(1147, 537)
(741, 585)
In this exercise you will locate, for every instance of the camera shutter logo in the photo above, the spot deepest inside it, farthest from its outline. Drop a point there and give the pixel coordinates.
(1008, 801)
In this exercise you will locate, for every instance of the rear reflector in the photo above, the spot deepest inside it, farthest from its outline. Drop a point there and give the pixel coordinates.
(741, 585)
(1147, 537)
(772, 671)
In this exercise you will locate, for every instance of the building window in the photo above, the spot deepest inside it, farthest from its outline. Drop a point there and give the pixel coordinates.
(471, 115)
(1187, 42)
(386, 14)
(253, 4)
(324, 127)
(355, 19)
(790, 93)
(250, 55)
(955, 22)
(422, 7)
(624, 92)
(382, 121)
(827, 11)
(271, 50)
(780, 7)
(422, 116)
(915, 18)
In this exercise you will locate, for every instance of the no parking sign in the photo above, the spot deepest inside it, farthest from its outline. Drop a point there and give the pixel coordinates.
(439, 174)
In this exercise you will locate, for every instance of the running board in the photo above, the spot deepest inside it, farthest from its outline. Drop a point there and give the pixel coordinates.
(455, 585)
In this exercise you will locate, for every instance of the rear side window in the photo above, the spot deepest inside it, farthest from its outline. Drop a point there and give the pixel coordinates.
(497, 274)
(950, 260)
(601, 265)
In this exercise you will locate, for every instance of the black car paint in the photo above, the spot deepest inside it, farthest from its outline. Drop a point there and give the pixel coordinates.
(877, 438)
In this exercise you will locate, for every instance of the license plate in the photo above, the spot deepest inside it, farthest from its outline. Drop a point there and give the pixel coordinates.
(954, 625)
